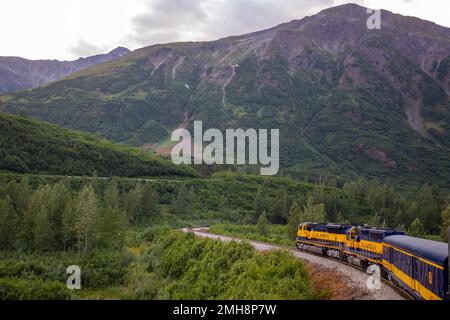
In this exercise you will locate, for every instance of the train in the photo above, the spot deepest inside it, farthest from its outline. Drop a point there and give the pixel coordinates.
(418, 266)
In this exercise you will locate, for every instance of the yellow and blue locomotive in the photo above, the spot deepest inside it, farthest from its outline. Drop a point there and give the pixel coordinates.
(418, 266)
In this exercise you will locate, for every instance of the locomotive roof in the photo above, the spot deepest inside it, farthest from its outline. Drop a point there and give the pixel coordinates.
(433, 251)
(383, 231)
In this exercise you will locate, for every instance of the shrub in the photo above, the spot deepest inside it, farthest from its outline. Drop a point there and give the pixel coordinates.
(38, 289)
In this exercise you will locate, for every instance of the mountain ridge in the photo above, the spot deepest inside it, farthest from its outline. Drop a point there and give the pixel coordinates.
(18, 73)
(348, 101)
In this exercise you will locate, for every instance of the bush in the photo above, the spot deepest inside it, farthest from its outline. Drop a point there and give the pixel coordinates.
(38, 289)
(100, 269)
(191, 268)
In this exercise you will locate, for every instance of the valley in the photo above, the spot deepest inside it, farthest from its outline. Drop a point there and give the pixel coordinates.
(86, 177)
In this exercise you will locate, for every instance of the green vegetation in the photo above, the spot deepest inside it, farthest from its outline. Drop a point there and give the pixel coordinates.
(416, 229)
(100, 227)
(348, 153)
(189, 268)
(262, 225)
(30, 146)
(333, 124)
(112, 228)
(446, 223)
(37, 276)
(241, 199)
(274, 233)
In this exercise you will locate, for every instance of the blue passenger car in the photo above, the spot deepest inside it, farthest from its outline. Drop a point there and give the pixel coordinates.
(420, 266)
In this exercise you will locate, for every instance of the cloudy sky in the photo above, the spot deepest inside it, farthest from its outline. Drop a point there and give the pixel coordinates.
(67, 29)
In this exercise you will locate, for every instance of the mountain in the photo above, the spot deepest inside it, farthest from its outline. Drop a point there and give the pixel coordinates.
(19, 74)
(31, 146)
(348, 101)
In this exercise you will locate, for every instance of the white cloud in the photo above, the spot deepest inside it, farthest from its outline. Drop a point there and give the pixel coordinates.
(66, 29)
(86, 49)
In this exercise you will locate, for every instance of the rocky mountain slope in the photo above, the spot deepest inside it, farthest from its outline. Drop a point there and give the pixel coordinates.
(348, 101)
(19, 74)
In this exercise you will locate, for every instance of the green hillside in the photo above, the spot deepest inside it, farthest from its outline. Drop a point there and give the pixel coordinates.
(348, 101)
(31, 146)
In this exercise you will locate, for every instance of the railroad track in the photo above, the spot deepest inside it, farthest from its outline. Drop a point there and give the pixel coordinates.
(358, 276)
(397, 289)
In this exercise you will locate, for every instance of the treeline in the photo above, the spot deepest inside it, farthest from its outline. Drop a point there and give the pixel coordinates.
(55, 218)
(31, 146)
(231, 197)
(423, 212)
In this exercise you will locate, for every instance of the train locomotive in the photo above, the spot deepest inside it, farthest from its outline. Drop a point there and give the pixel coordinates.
(416, 265)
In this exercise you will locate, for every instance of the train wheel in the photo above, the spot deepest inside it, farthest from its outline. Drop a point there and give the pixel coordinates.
(364, 264)
(390, 279)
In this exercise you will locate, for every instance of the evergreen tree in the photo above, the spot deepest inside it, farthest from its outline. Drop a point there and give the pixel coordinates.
(430, 209)
(150, 202)
(47, 216)
(416, 229)
(59, 198)
(43, 233)
(446, 223)
(111, 197)
(263, 225)
(23, 196)
(279, 211)
(111, 227)
(8, 225)
(340, 218)
(411, 213)
(294, 220)
(35, 231)
(182, 203)
(69, 235)
(399, 218)
(134, 205)
(86, 214)
(12, 191)
(259, 202)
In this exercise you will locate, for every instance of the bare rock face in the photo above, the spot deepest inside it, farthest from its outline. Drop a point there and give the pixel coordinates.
(347, 100)
(19, 74)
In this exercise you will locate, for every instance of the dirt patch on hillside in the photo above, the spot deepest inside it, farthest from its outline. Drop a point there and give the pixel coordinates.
(334, 287)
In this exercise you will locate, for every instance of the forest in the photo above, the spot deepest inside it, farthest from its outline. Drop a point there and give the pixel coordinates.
(127, 246)
(125, 233)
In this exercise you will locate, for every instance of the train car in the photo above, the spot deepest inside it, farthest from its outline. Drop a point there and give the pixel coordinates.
(329, 237)
(366, 244)
(417, 265)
